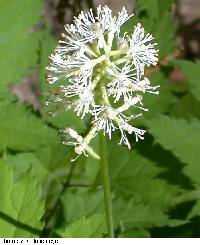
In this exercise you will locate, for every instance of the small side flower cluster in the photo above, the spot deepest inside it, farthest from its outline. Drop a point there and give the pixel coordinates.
(100, 71)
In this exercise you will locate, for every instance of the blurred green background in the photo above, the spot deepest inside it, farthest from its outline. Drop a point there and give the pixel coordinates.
(155, 186)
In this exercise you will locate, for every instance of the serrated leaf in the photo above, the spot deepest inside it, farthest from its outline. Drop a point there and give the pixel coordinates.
(49, 166)
(21, 130)
(81, 203)
(141, 215)
(157, 19)
(181, 137)
(18, 43)
(192, 72)
(21, 202)
(92, 227)
(124, 163)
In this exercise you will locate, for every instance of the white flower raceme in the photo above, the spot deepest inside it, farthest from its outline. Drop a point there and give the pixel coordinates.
(99, 71)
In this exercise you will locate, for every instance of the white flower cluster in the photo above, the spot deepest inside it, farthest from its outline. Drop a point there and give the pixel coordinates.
(100, 71)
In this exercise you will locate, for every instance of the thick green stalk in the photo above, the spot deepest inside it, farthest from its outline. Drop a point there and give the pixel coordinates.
(106, 186)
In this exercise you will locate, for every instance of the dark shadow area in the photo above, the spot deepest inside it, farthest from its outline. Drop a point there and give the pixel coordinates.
(165, 159)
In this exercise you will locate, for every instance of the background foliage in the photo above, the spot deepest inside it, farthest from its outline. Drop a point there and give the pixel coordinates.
(155, 186)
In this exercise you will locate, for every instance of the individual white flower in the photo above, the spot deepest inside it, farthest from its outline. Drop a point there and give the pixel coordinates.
(144, 86)
(109, 119)
(122, 82)
(98, 70)
(108, 22)
(85, 101)
(104, 116)
(77, 141)
(84, 97)
(81, 145)
(125, 82)
(130, 129)
(142, 50)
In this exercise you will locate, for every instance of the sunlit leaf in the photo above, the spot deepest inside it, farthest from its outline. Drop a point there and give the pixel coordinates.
(18, 41)
(21, 205)
(92, 227)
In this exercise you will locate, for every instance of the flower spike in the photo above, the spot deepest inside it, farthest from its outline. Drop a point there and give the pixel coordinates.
(99, 71)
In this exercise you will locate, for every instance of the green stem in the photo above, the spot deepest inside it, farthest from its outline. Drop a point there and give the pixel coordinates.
(106, 186)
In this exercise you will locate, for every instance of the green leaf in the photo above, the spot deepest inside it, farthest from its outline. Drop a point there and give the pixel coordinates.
(52, 170)
(161, 103)
(55, 162)
(192, 72)
(156, 104)
(157, 19)
(134, 233)
(81, 203)
(21, 130)
(154, 7)
(21, 163)
(195, 210)
(124, 163)
(186, 107)
(92, 227)
(21, 207)
(18, 43)
(182, 138)
(48, 43)
(138, 215)
(43, 171)
(141, 198)
(50, 166)
(68, 119)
